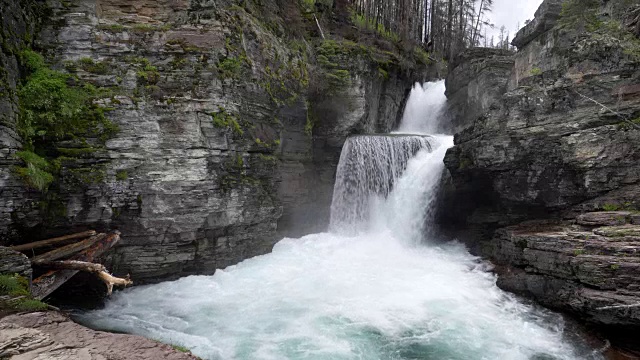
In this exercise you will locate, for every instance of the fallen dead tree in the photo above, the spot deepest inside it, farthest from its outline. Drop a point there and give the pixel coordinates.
(98, 269)
(63, 263)
(54, 241)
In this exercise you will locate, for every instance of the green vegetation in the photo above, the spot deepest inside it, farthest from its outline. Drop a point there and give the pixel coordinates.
(111, 27)
(266, 144)
(144, 28)
(308, 126)
(383, 73)
(122, 175)
(285, 83)
(96, 67)
(286, 76)
(308, 5)
(364, 23)
(611, 207)
(13, 285)
(36, 174)
(230, 67)
(234, 172)
(627, 125)
(332, 58)
(578, 252)
(181, 348)
(536, 71)
(54, 110)
(615, 267)
(148, 74)
(580, 14)
(336, 58)
(16, 289)
(626, 206)
(421, 56)
(584, 14)
(178, 63)
(223, 119)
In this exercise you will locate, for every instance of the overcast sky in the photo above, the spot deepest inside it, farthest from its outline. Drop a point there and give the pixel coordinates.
(511, 12)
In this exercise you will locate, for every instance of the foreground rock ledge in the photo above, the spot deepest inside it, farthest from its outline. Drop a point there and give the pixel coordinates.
(51, 335)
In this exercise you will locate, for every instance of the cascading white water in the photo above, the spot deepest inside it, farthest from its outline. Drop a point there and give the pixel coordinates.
(369, 167)
(424, 109)
(375, 295)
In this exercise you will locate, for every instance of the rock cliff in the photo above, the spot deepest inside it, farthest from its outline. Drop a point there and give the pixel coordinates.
(230, 117)
(555, 137)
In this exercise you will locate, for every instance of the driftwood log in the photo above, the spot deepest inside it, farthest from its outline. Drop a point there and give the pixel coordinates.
(67, 251)
(82, 261)
(54, 241)
(97, 269)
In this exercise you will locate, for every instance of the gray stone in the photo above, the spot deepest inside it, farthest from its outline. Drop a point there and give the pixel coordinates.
(549, 148)
(545, 19)
(13, 262)
(592, 274)
(603, 218)
(477, 80)
(51, 335)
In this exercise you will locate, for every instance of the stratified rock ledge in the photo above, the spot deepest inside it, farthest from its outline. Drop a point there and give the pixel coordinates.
(51, 335)
(591, 271)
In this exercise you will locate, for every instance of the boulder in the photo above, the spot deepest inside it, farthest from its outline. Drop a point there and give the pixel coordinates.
(52, 335)
(13, 262)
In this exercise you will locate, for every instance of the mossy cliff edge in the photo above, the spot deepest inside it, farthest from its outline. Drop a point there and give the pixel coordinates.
(203, 131)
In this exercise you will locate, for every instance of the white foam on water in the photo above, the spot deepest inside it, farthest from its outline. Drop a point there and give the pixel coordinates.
(375, 293)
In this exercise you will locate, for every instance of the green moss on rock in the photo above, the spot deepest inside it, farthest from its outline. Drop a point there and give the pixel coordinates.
(15, 295)
(56, 107)
(223, 119)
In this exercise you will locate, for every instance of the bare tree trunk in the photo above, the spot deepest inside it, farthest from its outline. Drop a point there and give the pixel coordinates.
(67, 250)
(97, 269)
(48, 242)
(449, 34)
(477, 27)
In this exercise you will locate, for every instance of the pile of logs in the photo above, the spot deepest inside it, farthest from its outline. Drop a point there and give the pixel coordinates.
(71, 254)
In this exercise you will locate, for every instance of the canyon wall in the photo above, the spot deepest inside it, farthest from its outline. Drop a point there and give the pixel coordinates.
(230, 118)
(545, 174)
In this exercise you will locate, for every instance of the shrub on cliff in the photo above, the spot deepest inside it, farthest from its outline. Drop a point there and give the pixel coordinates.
(54, 106)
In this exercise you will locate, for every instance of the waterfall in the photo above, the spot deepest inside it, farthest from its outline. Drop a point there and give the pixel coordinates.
(368, 290)
(371, 166)
(368, 169)
(424, 109)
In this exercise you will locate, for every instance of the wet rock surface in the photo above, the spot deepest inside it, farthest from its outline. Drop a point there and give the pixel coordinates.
(221, 149)
(559, 144)
(589, 272)
(51, 335)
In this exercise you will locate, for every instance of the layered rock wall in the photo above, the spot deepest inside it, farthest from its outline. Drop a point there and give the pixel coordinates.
(558, 144)
(220, 151)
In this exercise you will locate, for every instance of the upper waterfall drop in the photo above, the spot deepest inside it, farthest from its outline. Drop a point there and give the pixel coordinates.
(372, 166)
(425, 108)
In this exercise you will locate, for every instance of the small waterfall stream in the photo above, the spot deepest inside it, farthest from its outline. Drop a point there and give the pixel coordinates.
(372, 288)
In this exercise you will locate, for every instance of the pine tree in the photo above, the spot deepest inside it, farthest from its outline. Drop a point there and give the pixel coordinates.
(445, 27)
